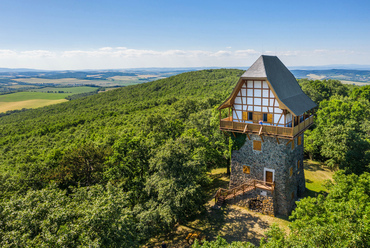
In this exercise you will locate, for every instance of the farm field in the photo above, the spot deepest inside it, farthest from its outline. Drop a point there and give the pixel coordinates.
(74, 81)
(73, 90)
(38, 97)
(36, 103)
(355, 83)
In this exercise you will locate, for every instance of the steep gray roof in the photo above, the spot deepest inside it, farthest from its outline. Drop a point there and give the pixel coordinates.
(283, 83)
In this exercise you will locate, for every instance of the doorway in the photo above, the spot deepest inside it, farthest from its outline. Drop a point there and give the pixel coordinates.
(269, 175)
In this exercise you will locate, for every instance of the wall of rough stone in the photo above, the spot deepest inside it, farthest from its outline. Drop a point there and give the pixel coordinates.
(273, 156)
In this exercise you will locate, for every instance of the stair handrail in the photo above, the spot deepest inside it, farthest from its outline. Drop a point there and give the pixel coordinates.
(233, 190)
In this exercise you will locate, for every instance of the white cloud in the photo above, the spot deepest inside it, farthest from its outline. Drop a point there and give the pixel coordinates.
(123, 57)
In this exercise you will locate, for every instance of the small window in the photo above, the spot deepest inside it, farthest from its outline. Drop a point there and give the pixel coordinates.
(299, 140)
(256, 145)
(293, 195)
(250, 116)
(298, 164)
(246, 169)
(291, 171)
(293, 144)
(264, 117)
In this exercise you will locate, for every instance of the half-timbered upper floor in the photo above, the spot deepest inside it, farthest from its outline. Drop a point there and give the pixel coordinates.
(268, 100)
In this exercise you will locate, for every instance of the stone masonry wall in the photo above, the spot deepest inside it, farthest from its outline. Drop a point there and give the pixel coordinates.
(276, 157)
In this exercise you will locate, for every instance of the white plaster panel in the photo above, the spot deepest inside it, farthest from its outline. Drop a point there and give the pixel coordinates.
(276, 118)
(239, 114)
(250, 84)
(234, 116)
(276, 103)
(264, 109)
(250, 108)
(265, 85)
(271, 102)
(257, 101)
(265, 93)
(257, 84)
(271, 109)
(257, 109)
(250, 100)
(244, 92)
(288, 117)
(272, 94)
(244, 100)
(265, 102)
(257, 92)
(239, 94)
(238, 99)
(282, 120)
(249, 92)
(245, 108)
(279, 111)
(239, 107)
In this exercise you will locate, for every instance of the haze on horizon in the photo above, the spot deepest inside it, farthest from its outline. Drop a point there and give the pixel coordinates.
(116, 34)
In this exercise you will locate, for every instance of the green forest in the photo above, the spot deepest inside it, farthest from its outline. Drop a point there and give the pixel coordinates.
(118, 168)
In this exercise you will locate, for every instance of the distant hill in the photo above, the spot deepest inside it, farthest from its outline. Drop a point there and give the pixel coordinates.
(339, 74)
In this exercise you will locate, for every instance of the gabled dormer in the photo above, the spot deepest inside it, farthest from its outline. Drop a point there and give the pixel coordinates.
(268, 100)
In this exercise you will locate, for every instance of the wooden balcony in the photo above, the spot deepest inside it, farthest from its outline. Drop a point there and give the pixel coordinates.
(227, 124)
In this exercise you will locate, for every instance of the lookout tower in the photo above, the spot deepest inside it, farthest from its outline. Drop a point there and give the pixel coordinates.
(269, 110)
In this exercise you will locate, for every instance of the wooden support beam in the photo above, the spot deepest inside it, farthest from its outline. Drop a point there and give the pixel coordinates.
(289, 142)
(277, 140)
(248, 136)
(262, 138)
(233, 134)
(260, 130)
(246, 128)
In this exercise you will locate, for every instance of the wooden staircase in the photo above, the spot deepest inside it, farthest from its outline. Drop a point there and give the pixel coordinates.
(224, 194)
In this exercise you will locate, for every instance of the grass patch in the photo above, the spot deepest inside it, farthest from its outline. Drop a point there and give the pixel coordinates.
(315, 175)
(24, 96)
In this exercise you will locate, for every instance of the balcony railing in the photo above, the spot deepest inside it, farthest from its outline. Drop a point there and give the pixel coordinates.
(227, 124)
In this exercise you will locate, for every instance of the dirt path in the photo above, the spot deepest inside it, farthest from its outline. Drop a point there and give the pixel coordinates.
(233, 223)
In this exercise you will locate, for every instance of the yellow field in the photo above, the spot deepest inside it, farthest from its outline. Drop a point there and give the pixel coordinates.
(36, 103)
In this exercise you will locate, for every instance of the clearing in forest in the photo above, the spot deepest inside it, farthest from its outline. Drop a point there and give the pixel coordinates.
(235, 223)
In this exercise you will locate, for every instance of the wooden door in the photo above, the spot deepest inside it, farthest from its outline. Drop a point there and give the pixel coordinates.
(269, 176)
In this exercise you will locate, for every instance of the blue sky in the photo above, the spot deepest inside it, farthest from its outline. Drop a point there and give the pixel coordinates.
(89, 34)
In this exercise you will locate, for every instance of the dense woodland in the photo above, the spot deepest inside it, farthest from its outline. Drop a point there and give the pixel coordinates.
(115, 169)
